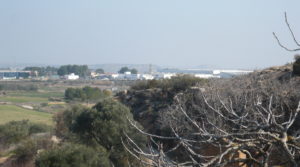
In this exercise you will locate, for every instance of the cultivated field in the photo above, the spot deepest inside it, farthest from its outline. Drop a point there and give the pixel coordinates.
(38, 105)
(15, 113)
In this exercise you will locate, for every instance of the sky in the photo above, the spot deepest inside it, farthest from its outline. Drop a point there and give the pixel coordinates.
(172, 33)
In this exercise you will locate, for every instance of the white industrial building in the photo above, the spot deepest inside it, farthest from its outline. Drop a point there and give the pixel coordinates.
(71, 76)
(206, 76)
(165, 75)
(146, 77)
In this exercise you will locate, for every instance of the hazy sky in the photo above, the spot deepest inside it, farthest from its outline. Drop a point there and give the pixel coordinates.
(231, 33)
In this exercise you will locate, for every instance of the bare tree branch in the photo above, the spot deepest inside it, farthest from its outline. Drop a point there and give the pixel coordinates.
(292, 34)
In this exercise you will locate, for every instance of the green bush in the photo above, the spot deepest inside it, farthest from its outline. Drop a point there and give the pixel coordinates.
(64, 120)
(105, 125)
(26, 150)
(38, 128)
(15, 131)
(44, 104)
(296, 66)
(42, 71)
(73, 155)
(176, 84)
(85, 94)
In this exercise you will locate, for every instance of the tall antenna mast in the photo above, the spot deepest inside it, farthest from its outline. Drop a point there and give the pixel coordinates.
(150, 69)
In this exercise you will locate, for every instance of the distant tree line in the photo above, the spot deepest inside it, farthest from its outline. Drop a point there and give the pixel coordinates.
(42, 71)
(81, 70)
(126, 69)
(99, 71)
(18, 86)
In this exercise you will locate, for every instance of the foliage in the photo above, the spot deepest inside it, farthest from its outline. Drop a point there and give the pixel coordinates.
(44, 104)
(126, 69)
(27, 149)
(42, 71)
(107, 93)
(297, 57)
(105, 125)
(73, 155)
(64, 120)
(16, 131)
(133, 71)
(296, 66)
(84, 94)
(123, 70)
(176, 84)
(99, 71)
(38, 128)
(81, 70)
(17, 86)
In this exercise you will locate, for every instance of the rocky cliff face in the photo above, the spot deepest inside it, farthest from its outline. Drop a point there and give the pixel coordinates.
(146, 105)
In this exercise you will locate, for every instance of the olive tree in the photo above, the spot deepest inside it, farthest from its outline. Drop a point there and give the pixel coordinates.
(105, 125)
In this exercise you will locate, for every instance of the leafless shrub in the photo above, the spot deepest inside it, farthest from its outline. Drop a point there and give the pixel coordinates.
(244, 121)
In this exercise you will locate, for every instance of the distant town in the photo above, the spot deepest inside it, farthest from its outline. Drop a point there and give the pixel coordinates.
(83, 72)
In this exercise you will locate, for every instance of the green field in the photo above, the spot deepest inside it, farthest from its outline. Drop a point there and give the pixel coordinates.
(36, 94)
(29, 96)
(15, 113)
(23, 99)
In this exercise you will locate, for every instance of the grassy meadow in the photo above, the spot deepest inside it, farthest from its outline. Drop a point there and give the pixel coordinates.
(23, 99)
(15, 113)
(37, 94)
